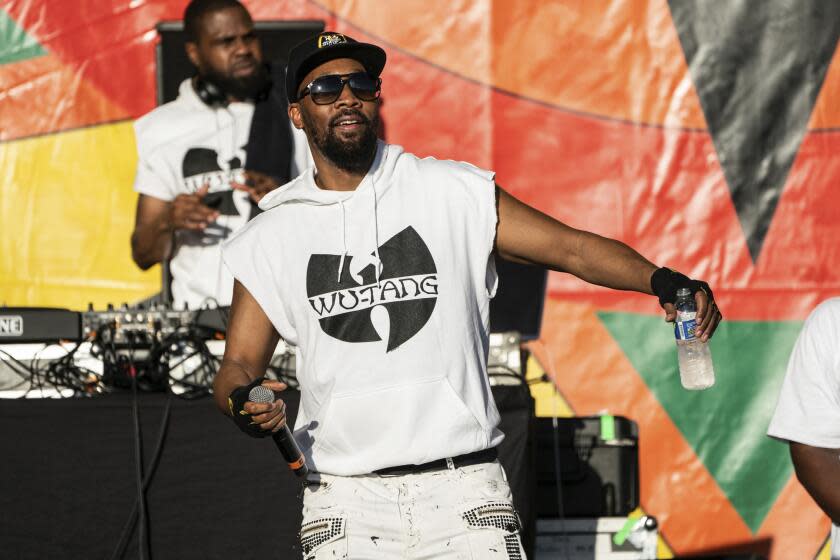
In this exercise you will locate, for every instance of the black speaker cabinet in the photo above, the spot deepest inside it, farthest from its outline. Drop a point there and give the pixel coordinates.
(518, 305)
(517, 453)
(596, 462)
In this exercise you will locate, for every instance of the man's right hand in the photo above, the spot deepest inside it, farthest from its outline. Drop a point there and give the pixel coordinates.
(269, 417)
(188, 212)
(256, 419)
(157, 219)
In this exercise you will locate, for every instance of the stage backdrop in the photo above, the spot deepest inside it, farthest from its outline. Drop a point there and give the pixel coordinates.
(703, 133)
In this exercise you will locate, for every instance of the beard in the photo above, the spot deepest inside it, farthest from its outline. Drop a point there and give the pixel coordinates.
(353, 156)
(249, 87)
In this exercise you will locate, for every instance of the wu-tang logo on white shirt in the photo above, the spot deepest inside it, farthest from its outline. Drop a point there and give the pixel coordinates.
(407, 289)
(202, 166)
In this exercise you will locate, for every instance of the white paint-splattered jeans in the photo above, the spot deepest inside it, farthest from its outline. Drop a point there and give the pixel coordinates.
(464, 513)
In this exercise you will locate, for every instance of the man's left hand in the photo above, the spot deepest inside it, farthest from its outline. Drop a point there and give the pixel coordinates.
(256, 184)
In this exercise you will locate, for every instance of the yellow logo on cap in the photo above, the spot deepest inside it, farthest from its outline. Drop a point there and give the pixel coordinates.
(330, 39)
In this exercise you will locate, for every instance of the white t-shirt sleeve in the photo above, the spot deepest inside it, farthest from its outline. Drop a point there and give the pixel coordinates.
(148, 181)
(153, 176)
(808, 409)
(245, 258)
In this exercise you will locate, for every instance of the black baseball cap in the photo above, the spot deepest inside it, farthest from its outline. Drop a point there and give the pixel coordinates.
(326, 46)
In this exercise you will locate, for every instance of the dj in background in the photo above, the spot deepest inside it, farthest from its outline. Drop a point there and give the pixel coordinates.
(205, 160)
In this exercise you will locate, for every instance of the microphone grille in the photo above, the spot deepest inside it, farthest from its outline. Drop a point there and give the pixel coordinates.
(260, 394)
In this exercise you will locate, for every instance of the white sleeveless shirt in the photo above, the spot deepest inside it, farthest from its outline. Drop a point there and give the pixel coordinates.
(385, 293)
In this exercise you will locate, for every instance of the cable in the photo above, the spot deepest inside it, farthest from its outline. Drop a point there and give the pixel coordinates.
(27, 371)
(37, 375)
(138, 454)
(499, 369)
(13, 364)
(128, 528)
(187, 345)
(63, 372)
(21, 369)
(544, 378)
(60, 373)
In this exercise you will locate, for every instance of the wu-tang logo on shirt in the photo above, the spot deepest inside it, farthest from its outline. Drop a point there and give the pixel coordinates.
(407, 289)
(201, 166)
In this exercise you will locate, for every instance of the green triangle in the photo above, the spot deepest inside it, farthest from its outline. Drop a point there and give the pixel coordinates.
(15, 44)
(726, 424)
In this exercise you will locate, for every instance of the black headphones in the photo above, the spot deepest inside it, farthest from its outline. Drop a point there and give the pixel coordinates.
(211, 94)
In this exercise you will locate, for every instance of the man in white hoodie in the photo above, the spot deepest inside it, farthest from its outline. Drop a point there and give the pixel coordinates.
(379, 267)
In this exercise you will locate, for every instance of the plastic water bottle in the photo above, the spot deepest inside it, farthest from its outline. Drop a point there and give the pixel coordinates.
(695, 356)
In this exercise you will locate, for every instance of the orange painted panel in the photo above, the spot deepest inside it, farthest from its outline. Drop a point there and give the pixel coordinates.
(288, 9)
(661, 191)
(106, 43)
(795, 536)
(42, 95)
(454, 35)
(801, 250)
(581, 56)
(826, 112)
(576, 56)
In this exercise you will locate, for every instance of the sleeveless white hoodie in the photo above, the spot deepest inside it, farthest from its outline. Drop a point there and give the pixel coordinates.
(385, 293)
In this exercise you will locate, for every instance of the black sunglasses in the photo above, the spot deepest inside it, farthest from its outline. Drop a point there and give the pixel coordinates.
(327, 89)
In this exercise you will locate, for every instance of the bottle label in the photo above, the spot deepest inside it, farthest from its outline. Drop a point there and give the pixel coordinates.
(684, 330)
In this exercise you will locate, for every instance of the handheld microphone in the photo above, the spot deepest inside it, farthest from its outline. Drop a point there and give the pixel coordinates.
(283, 438)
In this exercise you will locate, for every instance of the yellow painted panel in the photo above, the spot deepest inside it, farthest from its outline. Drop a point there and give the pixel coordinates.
(663, 551)
(548, 402)
(66, 214)
(825, 551)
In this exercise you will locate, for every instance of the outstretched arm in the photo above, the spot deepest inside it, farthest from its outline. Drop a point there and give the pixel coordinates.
(526, 235)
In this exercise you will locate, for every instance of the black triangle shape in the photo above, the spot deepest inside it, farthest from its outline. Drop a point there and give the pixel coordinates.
(758, 67)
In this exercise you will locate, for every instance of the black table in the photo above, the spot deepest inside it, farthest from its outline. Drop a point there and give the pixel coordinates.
(67, 478)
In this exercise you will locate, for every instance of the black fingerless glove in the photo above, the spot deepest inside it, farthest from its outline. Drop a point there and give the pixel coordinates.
(665, 282)
(236, 403)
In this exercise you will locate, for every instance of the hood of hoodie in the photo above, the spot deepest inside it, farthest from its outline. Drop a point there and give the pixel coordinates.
(356, 210)
(303, 190)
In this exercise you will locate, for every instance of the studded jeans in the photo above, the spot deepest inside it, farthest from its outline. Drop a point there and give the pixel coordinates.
(464, 514)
